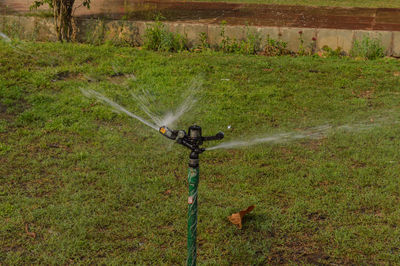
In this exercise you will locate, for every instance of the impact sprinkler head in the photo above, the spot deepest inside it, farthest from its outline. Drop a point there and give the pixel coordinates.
(192, 140)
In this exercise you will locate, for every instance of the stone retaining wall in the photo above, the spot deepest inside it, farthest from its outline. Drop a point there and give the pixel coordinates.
(131, 33)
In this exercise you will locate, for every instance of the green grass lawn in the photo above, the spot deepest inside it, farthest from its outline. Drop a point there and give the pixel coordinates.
(341, 3)
(98, 187)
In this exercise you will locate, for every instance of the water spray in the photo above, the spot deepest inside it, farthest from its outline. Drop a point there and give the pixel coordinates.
(192, 140)
(5, 37)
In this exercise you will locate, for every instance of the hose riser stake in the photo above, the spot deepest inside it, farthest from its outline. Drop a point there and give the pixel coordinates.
(193, 140)
(193, 181)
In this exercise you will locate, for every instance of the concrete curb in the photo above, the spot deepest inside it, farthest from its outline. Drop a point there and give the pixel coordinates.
(132, 33)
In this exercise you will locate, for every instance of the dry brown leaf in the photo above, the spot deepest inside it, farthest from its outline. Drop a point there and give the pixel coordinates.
(396, 74)
(236, 218)
(31, 234)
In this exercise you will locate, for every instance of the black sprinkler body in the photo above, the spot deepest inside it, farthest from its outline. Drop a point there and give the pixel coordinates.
(192, 140)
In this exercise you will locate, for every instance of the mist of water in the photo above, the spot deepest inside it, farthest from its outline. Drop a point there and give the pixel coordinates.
(116, 106)
(169, 118)
(311, 133)
(17, 47)
(5, 37)
(146, 101)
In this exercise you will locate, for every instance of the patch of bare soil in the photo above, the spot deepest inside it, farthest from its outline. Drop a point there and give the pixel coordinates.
(238, 14)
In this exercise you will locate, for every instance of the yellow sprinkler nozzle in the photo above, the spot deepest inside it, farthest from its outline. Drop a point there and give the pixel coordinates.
(169, 133)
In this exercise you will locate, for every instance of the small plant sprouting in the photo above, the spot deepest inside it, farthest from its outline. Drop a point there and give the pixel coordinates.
(252, 43)
(302, 50)
(204, 45)
(313, 45)
(249, 45)
(367, 48)
(158, 38)
(275, 47)
(97, 35)
(329, 52)
(224, 46)
(306, 49)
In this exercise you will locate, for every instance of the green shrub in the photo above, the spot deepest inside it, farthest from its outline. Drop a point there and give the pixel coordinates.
(306, 48)
(158, 38)
(329, 52)
(275, 47)
(97, 35)
(225, 42)
(203, 45)
(250, 45)
(368, 48)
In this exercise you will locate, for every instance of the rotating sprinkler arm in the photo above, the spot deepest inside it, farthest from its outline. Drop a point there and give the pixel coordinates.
(218, 136)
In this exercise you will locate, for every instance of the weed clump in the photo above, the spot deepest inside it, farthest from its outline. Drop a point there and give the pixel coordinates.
(204, 45)
(250, 45)
(306, 49)
(367, 48)
(158, 38)
(329, 52)
(275, 47)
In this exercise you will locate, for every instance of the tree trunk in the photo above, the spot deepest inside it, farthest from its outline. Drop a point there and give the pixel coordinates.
(63, 19)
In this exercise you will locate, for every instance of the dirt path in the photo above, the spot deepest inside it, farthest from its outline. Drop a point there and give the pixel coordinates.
(241, 14)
